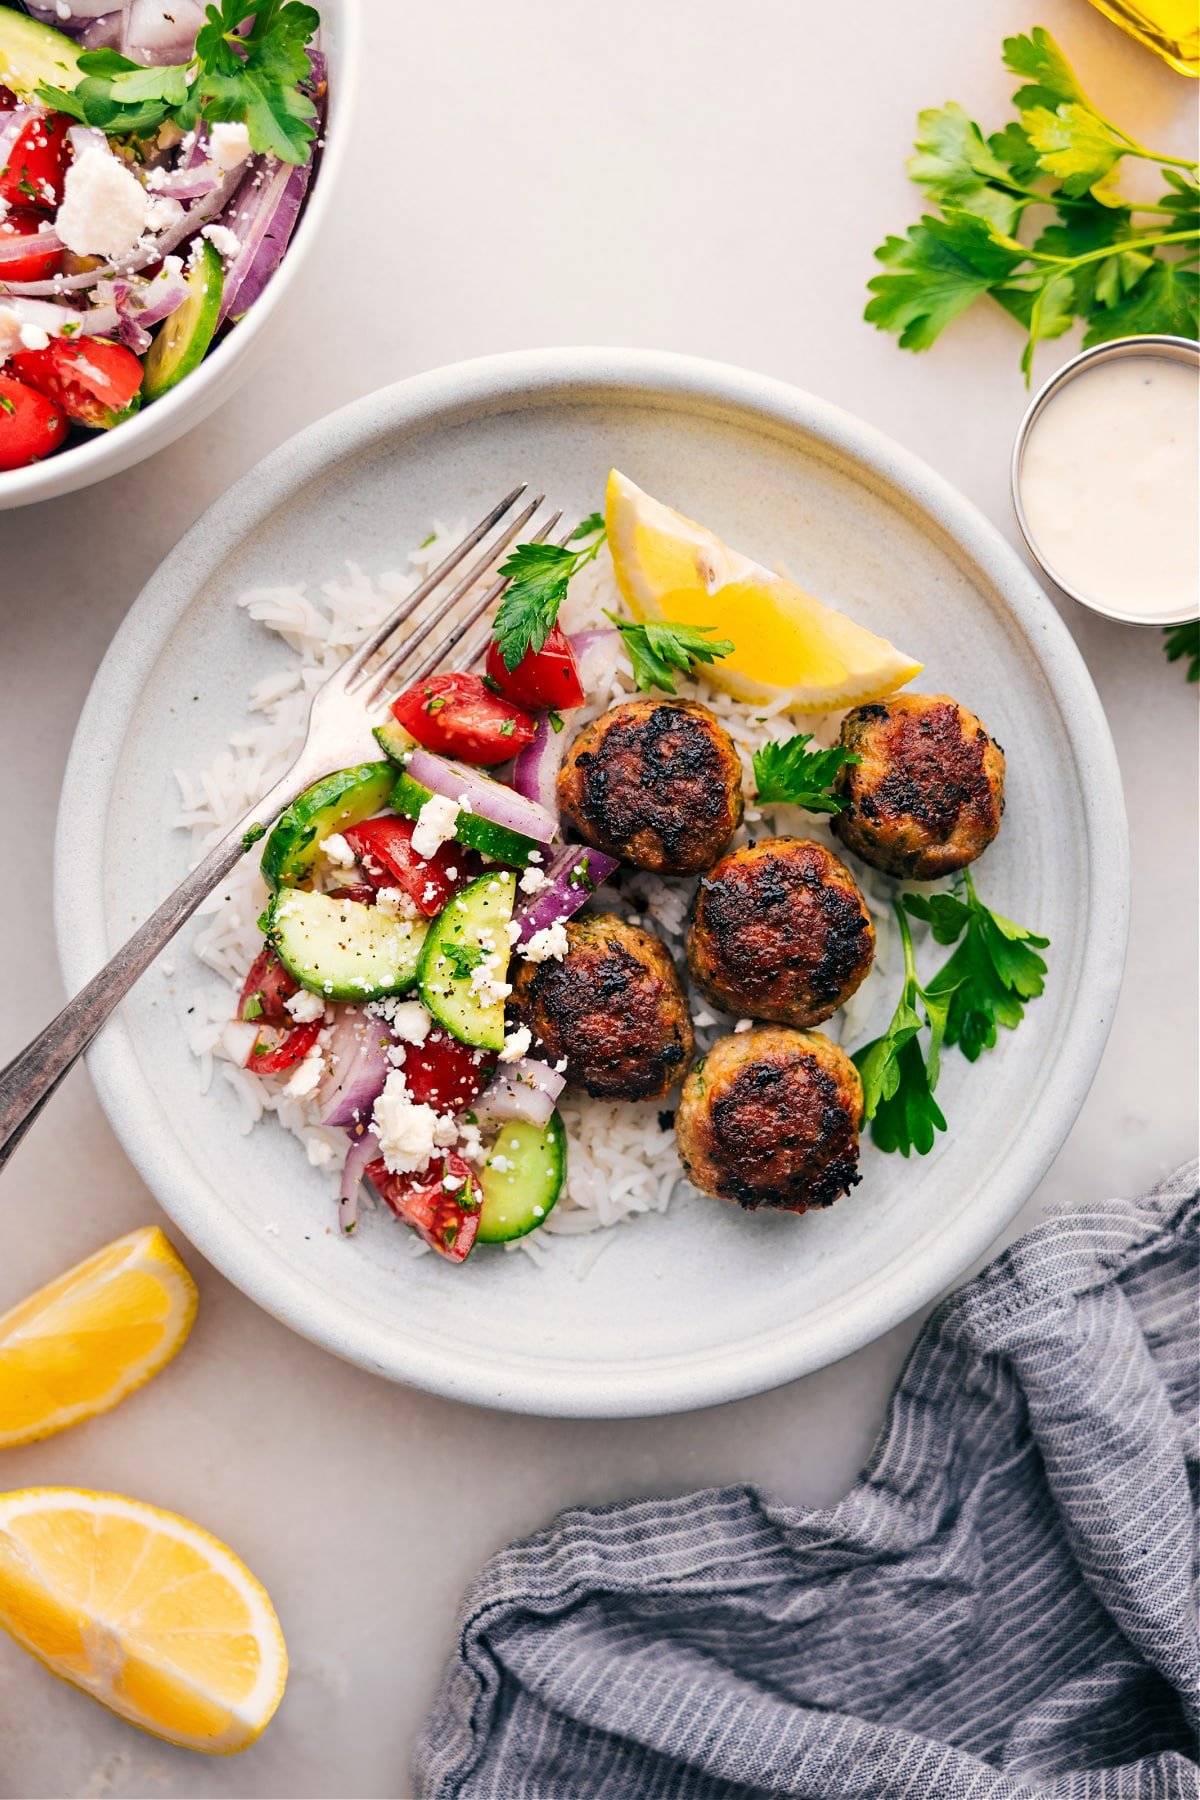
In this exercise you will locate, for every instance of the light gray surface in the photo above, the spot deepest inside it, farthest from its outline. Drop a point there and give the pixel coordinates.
(687, 182)
(702, 1304)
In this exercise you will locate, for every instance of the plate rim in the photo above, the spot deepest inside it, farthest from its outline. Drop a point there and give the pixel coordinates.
(676, 1381)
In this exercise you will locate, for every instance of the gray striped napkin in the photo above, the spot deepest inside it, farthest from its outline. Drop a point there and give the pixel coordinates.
(1000, 1609)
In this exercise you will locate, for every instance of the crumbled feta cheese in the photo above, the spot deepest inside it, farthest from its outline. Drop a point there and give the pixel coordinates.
(512, 930)
(533, 881)
(103, 209)
(405, 1132)
(535, 856)
(319, 1152)
(338, 850)
(549, 944)
(516, 1044)
(307, 1076)
(452, 1183)
(502, 1164)
(410, 1021)
(229, 143)
(445, 1132)
(225, 242)
(304, 1007)
(435, 824)
(560, 1067)
(34, 338)
(470, 1143)
(162, 213)
(396, 903)
(488, 985)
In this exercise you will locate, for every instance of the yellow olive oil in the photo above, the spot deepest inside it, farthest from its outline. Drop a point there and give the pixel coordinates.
(1171, 27)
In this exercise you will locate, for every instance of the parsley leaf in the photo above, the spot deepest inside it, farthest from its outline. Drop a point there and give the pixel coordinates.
(1183, 641)
(1097, 261)
(898, 1077)
(463, 958)
(788, 771)
(594, 522)
(253, 76)
(253, 1008)
(657, 647)
(537, 576)
(992, 973)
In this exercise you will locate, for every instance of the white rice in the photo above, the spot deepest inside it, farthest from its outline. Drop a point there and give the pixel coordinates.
(621, 1159)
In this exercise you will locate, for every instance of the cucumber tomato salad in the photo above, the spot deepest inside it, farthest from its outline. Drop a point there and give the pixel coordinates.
(154, 160)
(401, 890)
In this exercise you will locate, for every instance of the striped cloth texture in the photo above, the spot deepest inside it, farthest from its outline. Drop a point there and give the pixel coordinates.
(1002, 1608)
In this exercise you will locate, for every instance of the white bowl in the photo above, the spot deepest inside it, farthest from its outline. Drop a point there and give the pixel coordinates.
(110, 452)
(703, 1303)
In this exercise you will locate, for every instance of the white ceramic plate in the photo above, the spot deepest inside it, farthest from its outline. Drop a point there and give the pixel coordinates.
(107, 453)
(705, 1303)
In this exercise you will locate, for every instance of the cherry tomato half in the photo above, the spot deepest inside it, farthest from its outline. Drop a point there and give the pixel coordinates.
(292, 1047)
(30, 425)
(384, 848)
(447, 1219)
(31, 262)
(265, 989)
(37, 163)
(93, 381)
(460, 716)
(545, 679)
(445, 1074)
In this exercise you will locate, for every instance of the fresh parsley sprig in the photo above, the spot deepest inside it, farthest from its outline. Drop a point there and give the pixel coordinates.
(1183, 645)
(1101, 259)
(992, 973)
(658, 647)
(786, 771)
(898, 1075)
(253, 75)
(537, 576)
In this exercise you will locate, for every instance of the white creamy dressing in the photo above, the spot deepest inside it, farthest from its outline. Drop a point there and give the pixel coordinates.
(1110, 485)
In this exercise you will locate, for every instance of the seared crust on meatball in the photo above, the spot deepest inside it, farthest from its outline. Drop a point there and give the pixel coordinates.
(770, 1117)
(613, 1008)
(928, 796)
(780, 932)
(655, 782)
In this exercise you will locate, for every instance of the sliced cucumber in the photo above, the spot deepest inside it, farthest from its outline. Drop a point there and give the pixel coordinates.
(521, 1179)
(496, 841)
(466, 935)
(394, 741)
(346, 797)
(185, 335)
(30, 53)
(341, 948)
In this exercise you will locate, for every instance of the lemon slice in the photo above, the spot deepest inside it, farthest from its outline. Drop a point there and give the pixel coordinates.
(788, 646)
(88, 1338)
(143, 1611)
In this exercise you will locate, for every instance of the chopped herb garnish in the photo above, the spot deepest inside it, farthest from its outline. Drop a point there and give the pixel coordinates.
(435, 703)
(463, 958)
(507, 727)
(6, 405)
(253, 1009)
(657, 647)
(251, 836)
(537, 576)
(490, 683)
(580, 875)
(993, 972)
(555, 720)
(426, 541)
(786, 771)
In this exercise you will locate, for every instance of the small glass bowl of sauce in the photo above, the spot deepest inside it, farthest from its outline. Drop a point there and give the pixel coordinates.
(1106, 479)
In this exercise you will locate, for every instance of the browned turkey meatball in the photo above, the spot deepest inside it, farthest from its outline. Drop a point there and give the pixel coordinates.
(656, 782)
(770, 1117)
(612, 1007)
(928, 795)
(780, 932)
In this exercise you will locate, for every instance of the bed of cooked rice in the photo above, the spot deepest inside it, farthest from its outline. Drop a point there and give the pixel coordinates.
(621, 1155)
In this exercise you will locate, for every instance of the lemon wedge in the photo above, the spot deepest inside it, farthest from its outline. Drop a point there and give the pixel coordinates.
(788, 645)
(143, 1611)
(91, 1336)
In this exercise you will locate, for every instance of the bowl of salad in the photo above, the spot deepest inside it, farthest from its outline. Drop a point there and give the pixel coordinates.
(164, 167)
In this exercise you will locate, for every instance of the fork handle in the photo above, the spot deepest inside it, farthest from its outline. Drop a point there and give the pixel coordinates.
(32, 1076)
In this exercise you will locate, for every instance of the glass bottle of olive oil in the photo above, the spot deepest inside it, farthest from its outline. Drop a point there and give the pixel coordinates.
(1172, 27)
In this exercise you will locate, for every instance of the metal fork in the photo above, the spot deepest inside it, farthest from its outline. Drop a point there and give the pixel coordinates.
(355, 692)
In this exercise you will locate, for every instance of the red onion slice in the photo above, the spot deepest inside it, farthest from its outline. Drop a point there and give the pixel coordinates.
(573, 873)
(363, 1150)
(525, 1090)
(535, 771)
(13, 249)
(68, 321)
(263, 223)
(359, 1067)
(489, 799)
